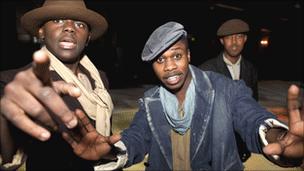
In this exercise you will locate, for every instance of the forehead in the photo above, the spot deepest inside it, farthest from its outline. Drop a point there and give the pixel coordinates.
(181, 44)
(236, 34)
(66, 19)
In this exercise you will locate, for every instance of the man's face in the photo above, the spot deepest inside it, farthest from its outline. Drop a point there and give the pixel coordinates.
(172, 67)
(233, 44)
(66, 39)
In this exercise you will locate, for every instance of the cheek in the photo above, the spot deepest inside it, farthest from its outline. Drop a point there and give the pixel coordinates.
(227, 44)
(157, 70)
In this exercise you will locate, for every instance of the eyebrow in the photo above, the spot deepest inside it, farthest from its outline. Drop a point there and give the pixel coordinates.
(176, 48)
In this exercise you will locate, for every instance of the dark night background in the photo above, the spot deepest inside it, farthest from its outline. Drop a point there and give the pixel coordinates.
(131, 22)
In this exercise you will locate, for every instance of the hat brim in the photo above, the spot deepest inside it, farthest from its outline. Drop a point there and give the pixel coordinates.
(33, 20)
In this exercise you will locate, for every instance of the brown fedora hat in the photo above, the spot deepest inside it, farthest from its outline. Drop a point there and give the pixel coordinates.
(64, 9)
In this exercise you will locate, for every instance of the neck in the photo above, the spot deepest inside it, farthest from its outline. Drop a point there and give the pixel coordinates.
(181, 94)
(73, 67)
(232, 59)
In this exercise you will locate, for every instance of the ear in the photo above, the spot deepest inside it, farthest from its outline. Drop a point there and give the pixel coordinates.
(88, 40)
(245, 38)
(189, 55)
(222, 41)
(41, 34)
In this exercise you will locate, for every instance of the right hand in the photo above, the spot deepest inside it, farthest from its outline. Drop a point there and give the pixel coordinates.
(31, 101)
(87, 143)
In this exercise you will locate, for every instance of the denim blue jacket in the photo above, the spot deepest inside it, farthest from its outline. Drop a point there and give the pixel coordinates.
(222, 107)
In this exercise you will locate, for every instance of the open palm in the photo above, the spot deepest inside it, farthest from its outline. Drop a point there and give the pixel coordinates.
(86, 142)
(292, 144)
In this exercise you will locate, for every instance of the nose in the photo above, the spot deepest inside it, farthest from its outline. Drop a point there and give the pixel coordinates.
(69, 26)
(234, 37)
(170, 65)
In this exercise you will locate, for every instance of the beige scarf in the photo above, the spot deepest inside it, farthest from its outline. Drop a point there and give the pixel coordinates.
(97, 103)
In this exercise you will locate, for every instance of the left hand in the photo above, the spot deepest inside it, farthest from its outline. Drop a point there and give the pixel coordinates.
(87, 143)
(292, 144)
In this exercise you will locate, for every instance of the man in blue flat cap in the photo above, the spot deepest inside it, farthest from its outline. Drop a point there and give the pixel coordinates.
(187, 122)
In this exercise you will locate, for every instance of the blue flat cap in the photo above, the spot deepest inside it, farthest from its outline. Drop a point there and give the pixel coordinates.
(161, 39)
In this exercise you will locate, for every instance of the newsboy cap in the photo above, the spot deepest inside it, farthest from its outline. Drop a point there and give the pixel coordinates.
(161, 39)
(232, 26)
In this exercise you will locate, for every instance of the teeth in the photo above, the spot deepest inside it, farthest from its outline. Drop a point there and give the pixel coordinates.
(67, 44)
(173, 78)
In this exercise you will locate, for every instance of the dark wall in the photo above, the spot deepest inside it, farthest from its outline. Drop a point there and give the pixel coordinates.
(131, 22)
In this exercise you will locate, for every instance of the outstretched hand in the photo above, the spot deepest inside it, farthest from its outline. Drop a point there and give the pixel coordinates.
(292, 144)
(86, 142)
(31, 98)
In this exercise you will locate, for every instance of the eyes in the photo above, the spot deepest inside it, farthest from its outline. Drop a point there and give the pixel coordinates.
(77, 24)
(236, 36)
(176, 56)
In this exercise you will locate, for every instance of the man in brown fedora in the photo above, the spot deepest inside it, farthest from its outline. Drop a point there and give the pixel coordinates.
(230, 62)
(33, 112)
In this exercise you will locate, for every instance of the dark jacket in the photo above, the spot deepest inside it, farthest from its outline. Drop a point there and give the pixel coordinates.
(54, 154)
(248, 72)
(222, 107)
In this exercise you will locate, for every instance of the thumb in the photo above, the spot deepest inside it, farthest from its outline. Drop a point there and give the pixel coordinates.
(114, 138)
(273, 148)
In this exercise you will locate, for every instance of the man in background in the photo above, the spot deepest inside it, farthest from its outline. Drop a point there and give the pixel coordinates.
(230, 62)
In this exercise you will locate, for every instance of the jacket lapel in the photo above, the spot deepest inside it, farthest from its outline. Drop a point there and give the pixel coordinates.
(202, 113)
(222, 66)
(160, 127)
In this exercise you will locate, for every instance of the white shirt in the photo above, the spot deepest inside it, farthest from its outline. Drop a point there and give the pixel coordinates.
(234, 69)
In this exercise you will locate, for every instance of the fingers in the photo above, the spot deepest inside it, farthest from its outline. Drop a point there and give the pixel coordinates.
(23, 122)
(84, 122)
(293, 95)
(295, 121)
(48, 97)
(25, 102)
(62, 87)
(26, 96)
(41, 65)
(293, 150)
(82, 129)
(68, 138)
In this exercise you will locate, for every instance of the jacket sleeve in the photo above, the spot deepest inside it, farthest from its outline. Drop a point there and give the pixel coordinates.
(247, 115)
(18, 159)
(137, 137)
(255, 83)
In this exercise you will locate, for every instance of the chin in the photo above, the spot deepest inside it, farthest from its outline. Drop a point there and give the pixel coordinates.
(173, 88)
